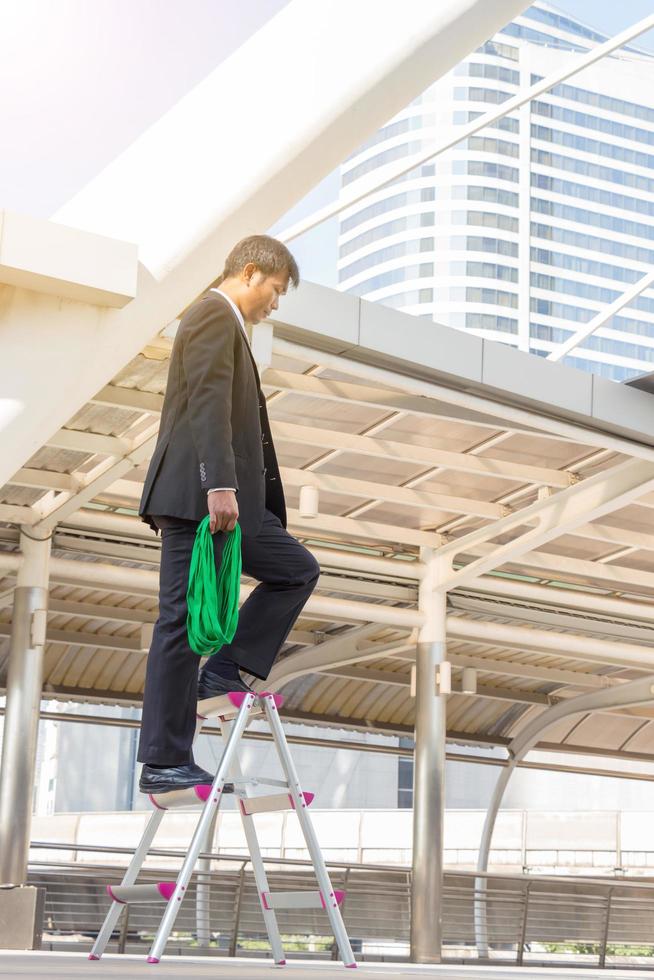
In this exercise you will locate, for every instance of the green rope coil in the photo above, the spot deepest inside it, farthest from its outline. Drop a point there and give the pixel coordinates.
(213, 601)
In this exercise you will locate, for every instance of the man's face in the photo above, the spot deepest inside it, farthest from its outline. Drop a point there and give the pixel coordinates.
(261, 295)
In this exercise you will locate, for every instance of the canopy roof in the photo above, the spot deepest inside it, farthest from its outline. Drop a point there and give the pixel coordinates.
(537, 480)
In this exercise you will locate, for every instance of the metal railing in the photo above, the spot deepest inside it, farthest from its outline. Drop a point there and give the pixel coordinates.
(529, 920)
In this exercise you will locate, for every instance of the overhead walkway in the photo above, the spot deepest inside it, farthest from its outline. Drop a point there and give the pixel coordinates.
(482, 518)
(477, 507)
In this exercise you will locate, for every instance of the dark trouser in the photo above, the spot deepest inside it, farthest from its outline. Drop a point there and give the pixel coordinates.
(287, 573)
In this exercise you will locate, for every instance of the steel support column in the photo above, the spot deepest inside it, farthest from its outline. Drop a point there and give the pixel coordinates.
(24, 681)
(429, 772)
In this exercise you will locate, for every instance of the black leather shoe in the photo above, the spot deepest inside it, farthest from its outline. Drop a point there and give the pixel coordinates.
(211, 685)
(165, 780)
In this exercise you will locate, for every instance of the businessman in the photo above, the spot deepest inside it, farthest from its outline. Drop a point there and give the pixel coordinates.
(215, 455)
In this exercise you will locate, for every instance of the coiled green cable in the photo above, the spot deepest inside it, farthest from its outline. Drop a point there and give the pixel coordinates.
(212, 601)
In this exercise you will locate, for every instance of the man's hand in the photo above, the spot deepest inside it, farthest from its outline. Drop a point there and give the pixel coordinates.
(223, 510)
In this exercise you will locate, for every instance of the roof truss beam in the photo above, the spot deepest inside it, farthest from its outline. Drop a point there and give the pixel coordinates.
(391, 493)
(388, 677)
(324, 438)
(555, 515)
(547, 565)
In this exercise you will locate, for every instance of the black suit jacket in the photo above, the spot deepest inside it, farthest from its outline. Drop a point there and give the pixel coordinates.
(214, 429)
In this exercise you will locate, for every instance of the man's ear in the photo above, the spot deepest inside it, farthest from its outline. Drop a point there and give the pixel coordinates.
(249, 272)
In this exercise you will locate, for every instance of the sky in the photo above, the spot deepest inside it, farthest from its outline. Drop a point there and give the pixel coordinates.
(610, 17)
(86, 77)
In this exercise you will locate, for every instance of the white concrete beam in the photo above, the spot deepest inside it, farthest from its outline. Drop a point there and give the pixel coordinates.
(46, 257)
(184, 195)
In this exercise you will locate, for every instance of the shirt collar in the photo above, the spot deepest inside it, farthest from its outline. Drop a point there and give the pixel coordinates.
(232, 304)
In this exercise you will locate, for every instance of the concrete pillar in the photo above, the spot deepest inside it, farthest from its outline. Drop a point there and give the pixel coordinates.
(429, 772)
(24, 683)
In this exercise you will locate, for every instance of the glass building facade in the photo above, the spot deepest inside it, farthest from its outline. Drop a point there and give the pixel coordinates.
(525, 231)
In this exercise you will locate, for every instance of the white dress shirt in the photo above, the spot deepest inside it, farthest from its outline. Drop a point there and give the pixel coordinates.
(240, 319)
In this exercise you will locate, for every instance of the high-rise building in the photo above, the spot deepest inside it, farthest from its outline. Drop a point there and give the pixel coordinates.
(526, 230)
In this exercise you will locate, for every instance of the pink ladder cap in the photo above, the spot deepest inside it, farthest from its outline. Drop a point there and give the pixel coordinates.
(166, 889)
(110, 893)
(306, 796)
(338, 895)
(277, 698)
(237, 698)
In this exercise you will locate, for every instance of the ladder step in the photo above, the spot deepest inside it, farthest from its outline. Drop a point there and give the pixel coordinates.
(299, 900)
(226, 706)
(178, 798)
(267, 804)
(133, 894)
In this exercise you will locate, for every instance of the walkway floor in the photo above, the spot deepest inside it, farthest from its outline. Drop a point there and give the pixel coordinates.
(37, 966)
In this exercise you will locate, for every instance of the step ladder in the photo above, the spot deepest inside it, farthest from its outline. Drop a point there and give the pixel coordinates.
(234, 711)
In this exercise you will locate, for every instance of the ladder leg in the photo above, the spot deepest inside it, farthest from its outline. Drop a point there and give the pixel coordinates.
(200, 835)
(203, 890)
(129, 878)
(324, 883)
(269, 917)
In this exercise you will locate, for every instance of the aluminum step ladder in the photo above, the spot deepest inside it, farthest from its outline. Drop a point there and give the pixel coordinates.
(234, 711)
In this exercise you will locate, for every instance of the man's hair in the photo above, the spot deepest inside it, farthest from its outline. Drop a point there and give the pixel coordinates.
(268, 254)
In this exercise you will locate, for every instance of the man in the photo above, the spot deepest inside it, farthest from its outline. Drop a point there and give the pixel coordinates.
(215, 455)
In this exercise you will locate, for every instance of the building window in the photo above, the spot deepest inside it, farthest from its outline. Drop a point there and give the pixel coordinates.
(563, 23)
(569, 188)
(487, 321)
(485, 144)
(482, 168)
(386, 156)
(493, 95)
(597, 171)
(595, 244)
(549, 40)
(395, 251)
(599, 101)
(499, 50)
(490, 270)
(497, 72)
(592, 146)
(492, 297)
(393, 276)
(587, 267)
(620, 225)
(392, 203)
(493, 195)
(585, 121)
(486, 218)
